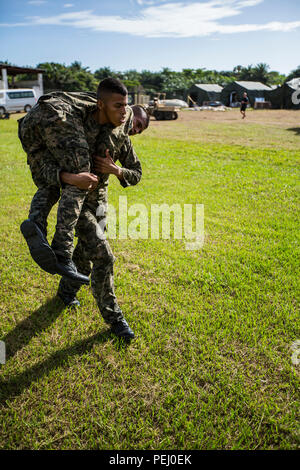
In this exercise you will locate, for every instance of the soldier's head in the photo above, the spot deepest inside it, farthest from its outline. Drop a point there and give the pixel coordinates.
(112, 99)
(140, 119)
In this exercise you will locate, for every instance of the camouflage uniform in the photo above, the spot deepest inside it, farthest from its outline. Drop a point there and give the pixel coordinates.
(54, 146)
(61, 128)
(93, 254)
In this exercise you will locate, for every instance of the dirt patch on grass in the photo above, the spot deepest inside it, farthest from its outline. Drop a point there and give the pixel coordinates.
(261, 128)
(279, 117)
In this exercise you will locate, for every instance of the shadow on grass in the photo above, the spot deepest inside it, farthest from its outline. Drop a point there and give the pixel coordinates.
(30, 327)
(38, 321)
(295, 129)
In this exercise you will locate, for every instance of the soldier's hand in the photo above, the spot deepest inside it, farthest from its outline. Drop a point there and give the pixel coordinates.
(86, 181)
(82, 180)
(106, 165)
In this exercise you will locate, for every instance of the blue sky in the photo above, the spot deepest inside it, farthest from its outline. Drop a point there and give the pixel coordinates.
(151, 34)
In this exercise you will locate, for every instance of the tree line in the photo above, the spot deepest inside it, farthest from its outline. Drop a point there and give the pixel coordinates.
(75, 77)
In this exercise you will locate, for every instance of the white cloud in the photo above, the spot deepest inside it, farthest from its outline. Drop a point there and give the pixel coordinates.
(149, 2)
(181, 20)
(68, 5)
(249, 3)
(36, 2)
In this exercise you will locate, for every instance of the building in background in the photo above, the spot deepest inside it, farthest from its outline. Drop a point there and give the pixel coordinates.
(13, 71)
(286, 96)
(232, 93)
(202, 92)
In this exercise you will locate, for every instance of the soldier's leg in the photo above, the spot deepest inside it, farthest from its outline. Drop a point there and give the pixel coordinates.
(41, 205)
(96, 248)
(77, 160)
(44, 174)
(69, 209)
(34, 229)
(96, 203)
(67, 289)
(68, 212)
(44, 170)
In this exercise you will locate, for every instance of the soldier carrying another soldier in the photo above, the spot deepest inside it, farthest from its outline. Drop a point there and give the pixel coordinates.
(60, 135)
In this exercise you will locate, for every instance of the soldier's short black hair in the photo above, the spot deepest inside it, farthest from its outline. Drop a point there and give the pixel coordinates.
(111, 85)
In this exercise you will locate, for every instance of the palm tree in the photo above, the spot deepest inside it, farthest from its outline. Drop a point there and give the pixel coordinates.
(294, 74)
(260, 73)
(246, 73)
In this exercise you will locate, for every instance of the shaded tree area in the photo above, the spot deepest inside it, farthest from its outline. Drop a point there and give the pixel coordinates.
(68, 78)
(75, 77)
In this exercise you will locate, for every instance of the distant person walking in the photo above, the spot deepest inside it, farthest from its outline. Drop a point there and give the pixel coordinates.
(244, 103)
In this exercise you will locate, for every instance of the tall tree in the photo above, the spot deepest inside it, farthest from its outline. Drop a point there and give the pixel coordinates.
(260, 73)
(72, 78)
(105, 72)
(294, 74)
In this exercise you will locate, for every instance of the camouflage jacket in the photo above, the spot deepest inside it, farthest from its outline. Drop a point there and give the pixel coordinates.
(64, 124)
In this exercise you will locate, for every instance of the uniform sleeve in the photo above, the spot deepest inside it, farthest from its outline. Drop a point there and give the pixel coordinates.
(51, 173)
(131, 166)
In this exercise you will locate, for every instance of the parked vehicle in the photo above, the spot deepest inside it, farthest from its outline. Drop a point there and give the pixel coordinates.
(162, 111)
(14, 100)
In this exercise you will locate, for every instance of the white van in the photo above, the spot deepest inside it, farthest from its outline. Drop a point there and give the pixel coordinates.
(13, 100)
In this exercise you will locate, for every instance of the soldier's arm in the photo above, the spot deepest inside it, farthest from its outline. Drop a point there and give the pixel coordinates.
(53, 175)
(107, 166)
(131, 165)
(81, 180)
(131, 171)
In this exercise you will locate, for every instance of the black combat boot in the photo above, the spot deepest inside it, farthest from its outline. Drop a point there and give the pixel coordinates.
(45, 257)
(66, 267)
(39, 247)
(70, 302)
(122, 329)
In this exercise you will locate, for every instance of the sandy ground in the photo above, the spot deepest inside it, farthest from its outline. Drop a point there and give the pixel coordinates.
(261, 128)
(281, 118)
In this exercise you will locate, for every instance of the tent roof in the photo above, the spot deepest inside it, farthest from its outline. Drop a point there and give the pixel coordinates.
(14, 70)
(209, 87)
(253, 85)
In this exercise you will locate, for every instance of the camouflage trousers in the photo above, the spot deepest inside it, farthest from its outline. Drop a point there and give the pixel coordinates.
(92, 254)
(69, 207)
(40, 140)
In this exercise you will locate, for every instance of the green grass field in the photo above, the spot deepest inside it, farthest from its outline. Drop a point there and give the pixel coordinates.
(210, 367)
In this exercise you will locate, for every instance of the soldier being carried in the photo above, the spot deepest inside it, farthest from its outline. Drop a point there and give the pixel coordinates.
(60, 135)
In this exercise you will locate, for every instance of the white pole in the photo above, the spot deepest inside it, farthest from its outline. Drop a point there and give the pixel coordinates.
(4, 78)
(40, 81)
